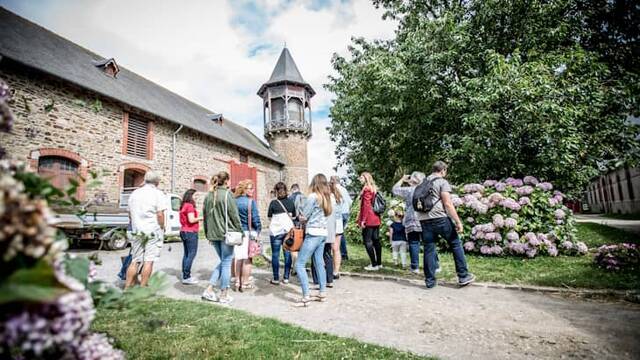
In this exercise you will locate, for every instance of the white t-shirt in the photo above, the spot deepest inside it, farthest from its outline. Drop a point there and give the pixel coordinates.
(144, 204)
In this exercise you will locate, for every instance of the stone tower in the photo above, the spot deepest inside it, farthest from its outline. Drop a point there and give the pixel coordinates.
(287, 117)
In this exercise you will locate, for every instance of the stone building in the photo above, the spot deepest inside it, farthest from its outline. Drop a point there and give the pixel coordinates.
(78, 112)
(617, 192)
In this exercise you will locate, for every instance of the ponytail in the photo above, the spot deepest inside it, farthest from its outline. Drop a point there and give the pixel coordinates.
(218, 180)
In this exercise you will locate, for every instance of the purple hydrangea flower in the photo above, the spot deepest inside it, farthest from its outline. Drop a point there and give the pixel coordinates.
(470, 220)
(495, 197)
(530, 180)
(471, 188)
(553, 201)
(524, 190)
(498, 221)
(568, 245)
(542, 238)
(582, 247)
(532, 252)
(552, 250)
(517, 248)
(510, 223)
(469, 246)
(489, 183)
(496, 250)
(485, 250)
(456, 201)
(559, 222)
(500, 186)
(490, 236)
(514, 182)
(511, 204)
(559, 214)
(513, 236)
(545, 186)
(524, 201)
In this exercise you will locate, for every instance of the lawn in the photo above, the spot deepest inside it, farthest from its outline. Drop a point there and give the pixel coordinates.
(561, 271)
(170, 329)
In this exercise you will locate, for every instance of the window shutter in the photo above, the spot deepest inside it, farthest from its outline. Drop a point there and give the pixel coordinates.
(137, 137)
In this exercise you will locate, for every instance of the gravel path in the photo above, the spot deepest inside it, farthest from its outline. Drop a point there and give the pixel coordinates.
(627, 225)
(447, 322)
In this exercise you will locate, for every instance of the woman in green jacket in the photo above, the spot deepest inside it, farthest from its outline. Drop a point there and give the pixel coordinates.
(217, 200)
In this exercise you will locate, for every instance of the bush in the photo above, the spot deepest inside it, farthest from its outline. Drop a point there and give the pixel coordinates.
(521, 217)
(618, 257)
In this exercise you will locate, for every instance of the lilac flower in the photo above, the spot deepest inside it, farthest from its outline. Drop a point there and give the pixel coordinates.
(500, 186)
(552, 250)
(553, 201)
(568, 245)
(532, 252)
(471, 188)
(582, 247)
(510, 223)
(524, 201)
(545, 186)
(498, 221)
(469, 246)
(524, 190)
(513, 236)
(559, 214)
(530, 180)
(510, 204)
(496, 249)
(485, 250)
(489, 183)
(514, 182)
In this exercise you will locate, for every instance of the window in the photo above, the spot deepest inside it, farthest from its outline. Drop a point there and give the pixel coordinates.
(175, 203)
(59, 170)
(138, 138)
(200, 185)
(277, 112)
(295, 111)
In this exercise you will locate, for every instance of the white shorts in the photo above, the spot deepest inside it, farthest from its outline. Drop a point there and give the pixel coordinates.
(339, 226)
(241, 252)
(150, 251)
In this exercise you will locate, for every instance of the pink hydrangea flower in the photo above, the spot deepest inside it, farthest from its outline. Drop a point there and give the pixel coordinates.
(524, 190)
(489, 183)
(510, 222)
(582, 247)
(559, 214)
(510, 204)
(513, 236)
(524, 201)
(471, 188)
(496, 250)
(500, 186)
(552, 250)
(485, 250)
(553, 201)
(530, 180)
(469, 246)
(545, 186)
(498, 221)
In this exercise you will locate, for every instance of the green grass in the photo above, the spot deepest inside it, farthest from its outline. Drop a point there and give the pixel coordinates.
(174, 329)
(632, 216)
(561, 271)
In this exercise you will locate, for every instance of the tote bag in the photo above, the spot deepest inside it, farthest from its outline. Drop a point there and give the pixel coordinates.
(231, 238)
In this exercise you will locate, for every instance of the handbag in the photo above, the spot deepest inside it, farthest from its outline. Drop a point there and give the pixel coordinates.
(255, 248)
(379, 204)
(231, 238)
(295, 235)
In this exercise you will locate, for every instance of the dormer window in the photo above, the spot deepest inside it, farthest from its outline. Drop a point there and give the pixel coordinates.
(108, 66)
(216, 118)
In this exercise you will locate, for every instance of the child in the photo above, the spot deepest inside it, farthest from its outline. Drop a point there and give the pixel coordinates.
(398, 239)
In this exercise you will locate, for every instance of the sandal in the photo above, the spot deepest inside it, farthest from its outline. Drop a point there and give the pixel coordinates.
(303, 302)
(248, 286)
(321, 297)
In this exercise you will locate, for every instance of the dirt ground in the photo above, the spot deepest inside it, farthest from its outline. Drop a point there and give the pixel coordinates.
(447, 322)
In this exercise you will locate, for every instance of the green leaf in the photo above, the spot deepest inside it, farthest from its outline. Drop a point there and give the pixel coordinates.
(35, 284)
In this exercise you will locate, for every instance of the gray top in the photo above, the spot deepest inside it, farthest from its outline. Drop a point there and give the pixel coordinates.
(38, 48)
(410, 222)
(439, 186)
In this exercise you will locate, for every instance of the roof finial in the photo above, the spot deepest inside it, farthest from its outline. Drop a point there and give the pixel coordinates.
(285, 44)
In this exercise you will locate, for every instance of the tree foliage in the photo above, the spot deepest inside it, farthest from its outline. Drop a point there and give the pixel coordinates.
(497, 88)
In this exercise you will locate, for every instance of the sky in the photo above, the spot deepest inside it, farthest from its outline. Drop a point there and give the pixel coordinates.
(217, 53)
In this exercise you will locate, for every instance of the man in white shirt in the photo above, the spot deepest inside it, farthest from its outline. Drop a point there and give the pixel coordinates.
(146, 211)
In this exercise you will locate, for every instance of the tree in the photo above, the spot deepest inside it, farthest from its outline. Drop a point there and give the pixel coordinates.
(497, 88)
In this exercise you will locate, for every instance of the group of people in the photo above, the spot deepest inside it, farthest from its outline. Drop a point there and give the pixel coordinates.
(323, 212)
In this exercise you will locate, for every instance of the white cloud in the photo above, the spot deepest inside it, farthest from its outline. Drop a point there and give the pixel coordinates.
(200, 49)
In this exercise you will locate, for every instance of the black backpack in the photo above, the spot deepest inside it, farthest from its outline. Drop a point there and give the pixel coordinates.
(379, 204)
(423, 199)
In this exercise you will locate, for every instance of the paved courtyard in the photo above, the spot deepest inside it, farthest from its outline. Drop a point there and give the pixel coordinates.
(450, 323)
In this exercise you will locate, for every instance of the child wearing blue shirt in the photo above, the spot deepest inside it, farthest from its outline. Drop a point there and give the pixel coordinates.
(398, 239)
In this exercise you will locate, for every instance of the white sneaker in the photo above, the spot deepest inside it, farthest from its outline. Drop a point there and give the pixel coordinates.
(210, 296)
(415, 271)
(226, 300)
(371, 268)
(285, 281)
(189, 281)
(379, 267)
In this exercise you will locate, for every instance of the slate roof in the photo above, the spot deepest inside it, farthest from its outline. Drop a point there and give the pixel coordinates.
(286, 71)
(36, 47)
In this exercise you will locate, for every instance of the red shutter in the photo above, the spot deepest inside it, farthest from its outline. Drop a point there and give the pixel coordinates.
(242, 171)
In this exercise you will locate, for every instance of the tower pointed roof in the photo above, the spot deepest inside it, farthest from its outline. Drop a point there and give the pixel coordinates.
(286, 72)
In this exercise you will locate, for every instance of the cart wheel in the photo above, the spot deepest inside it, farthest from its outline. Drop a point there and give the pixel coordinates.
(118, 241)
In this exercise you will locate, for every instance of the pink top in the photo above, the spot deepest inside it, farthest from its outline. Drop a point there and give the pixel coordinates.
(185, 225)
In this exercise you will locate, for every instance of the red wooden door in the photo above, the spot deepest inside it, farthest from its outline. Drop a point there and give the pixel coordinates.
(242, 171)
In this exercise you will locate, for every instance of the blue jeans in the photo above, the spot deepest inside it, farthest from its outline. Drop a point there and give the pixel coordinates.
(222, 272)
(312, 246)
(431, 229)
(276, 244)
(190, 243)
(125, 265)
(343, 239)
(415, 239)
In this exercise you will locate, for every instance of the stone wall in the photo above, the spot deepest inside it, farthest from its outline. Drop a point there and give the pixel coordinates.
(293, 147)
(617, 192)
(53, 114)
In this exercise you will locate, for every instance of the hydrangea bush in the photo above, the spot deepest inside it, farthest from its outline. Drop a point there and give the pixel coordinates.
(618, 257)
(521, 217)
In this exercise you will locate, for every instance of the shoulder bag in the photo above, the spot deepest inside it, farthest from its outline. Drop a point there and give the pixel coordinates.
(295, 236)
(255, 248)
(231, 238)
